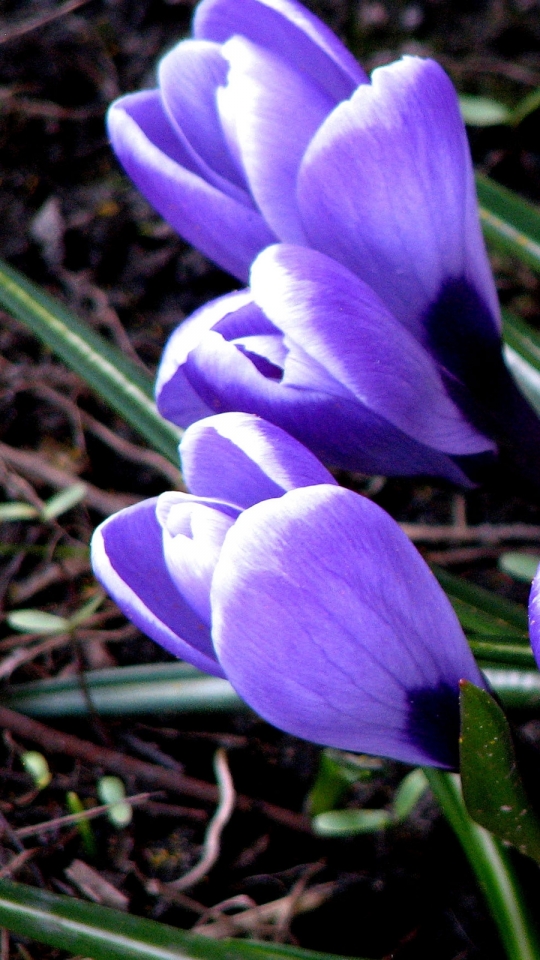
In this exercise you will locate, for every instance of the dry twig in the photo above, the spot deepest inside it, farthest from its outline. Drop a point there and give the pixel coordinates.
(53, 741)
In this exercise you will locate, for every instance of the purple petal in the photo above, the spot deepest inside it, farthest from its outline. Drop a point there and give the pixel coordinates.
(242, 459)
(188, 80)
(337, 428)
(176, 399)
(271, 112)
(288, 29)
(127, 557)
(386, 187)
(315, 408)
(193, 534)
(344, 326)
(330, 625)
(534, 616)
(224, 229)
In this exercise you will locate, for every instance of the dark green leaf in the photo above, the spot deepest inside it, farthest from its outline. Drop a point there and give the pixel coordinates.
(483, 611)
(492, 789)
(149, 688)
(495, 650)
(516, 689)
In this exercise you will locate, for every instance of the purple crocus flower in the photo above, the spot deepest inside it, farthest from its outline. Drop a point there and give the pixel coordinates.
(264, 129)
(306, 596)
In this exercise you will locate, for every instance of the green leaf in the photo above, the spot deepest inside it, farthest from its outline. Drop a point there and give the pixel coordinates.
(492, 789)
(520, 566)
(114, 377)
(89, 930)
(348, 823)
(148, 688)
(37, 621)
(525, 374)
(111, 790)
(409, 792)
(493, 867)
(528, 105)
(516, 689)
(84, 827)
(499, 650)
(337, 772)
(483, 611)
(17, 511)
(522, 338)
(36, 765)
(63, 501)
(483, 111)
(510, 223)
(86, 611)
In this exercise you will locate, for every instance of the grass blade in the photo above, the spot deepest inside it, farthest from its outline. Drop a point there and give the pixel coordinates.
(510, 223)
(484, 612)
(88, 930)
(156, 688)
(179, 688)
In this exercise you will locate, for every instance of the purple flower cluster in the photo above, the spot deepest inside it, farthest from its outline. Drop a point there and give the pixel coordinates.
(369, 338)
(306, 596)
(370, 330)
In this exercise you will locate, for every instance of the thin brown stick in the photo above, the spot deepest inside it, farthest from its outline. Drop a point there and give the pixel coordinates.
(53, 741)
(71, 818)
(18, 861)
(125, 448)
(33, 23)
(481, 533)
(35, 466)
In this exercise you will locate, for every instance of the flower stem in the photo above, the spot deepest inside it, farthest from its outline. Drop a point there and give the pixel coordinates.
(492, 866)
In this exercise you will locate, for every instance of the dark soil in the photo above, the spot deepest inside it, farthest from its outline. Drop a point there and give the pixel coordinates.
(70, 221)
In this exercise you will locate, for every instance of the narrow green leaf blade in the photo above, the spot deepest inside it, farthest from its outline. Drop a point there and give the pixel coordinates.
(526, 374)
(483, 611)
(114, 377)
(149, 688)
(63, 501)
(409, 792)
(516, 689)
(88, 930)
(492, 789)
(497, 651)
(510, 223)
(528, 105)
